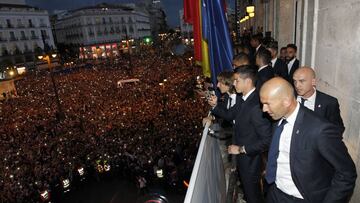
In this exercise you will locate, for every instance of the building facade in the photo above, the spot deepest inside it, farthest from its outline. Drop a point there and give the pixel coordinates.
(24, 30)
(185, 28)
(100, 30)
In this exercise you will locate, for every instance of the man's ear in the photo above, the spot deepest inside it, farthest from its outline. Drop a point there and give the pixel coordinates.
(313, 82)
(286, 102)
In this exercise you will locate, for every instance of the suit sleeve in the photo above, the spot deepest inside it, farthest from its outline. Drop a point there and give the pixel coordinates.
(332, 148)
(227, 114)
(262, 128)
(333, 114)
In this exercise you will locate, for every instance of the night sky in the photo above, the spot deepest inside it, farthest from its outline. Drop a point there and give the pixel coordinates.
(171, 7)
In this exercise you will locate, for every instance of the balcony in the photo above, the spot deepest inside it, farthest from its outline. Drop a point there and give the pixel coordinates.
(2, 39)
(31, 25)
(9, 25)
(34, 37)
(24, 38)
(20, 25)
(212, 161)
(43, 25)
(208, 163)
(13, 39)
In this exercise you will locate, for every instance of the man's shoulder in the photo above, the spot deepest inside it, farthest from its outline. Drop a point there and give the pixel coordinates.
(311, 120)
(323, 97)
(268, 70)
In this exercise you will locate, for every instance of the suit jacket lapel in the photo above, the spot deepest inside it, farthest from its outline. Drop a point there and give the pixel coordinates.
(318, 105)
(296, 140)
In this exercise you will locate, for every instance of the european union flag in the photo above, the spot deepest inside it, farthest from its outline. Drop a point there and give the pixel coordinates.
(215, 31)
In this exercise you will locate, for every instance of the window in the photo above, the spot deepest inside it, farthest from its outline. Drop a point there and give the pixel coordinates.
(4, 51)
(104, 21)
(42, 22)
(97, 20)
(23, 35)
(90, 32)
(8, 23)
(26, 48)
(44, 35)
(12, 35)
(31, 23)
(88, 21)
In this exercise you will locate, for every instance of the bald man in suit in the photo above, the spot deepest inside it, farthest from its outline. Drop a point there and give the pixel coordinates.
(322, 104)
(307, 160)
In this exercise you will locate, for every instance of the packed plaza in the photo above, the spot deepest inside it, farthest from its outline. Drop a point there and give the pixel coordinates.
(136, 129)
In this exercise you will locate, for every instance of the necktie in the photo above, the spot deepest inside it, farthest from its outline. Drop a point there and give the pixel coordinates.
(271, 165)
(229, 104)
(302, 101)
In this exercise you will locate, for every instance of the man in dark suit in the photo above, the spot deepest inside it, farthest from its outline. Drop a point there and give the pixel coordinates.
(292, 62)
(283, 54)
(252, 133)
(240, 60)
(307, 162)
(265, 71)
(279, 66)
(322, 104)
(256, 44)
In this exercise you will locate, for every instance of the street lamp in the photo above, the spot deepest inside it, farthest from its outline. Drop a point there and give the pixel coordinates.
(47, 58)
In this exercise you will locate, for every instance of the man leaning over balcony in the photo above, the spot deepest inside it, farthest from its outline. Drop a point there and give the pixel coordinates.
(252, 132)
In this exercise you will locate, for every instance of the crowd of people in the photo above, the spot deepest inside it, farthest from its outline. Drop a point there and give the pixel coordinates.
(137, 128)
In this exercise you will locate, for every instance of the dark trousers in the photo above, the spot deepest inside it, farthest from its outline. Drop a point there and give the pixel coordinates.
(275, 195)
(249, 170)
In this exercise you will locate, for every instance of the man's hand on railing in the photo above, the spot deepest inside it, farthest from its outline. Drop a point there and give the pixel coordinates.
(207, 119)
(234, 149)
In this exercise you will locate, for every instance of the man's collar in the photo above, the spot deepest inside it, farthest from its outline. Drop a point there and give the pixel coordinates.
(244, 97)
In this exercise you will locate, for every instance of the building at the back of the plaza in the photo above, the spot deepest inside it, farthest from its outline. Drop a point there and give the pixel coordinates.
(102, 30)
(186, 29)
(24, 31)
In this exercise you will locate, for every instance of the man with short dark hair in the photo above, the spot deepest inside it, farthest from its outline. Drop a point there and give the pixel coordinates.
(240, 60)
(252, 132)
(292, 62)
(265, 71)
(283, 54)
(256, 43)
(280, 68)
